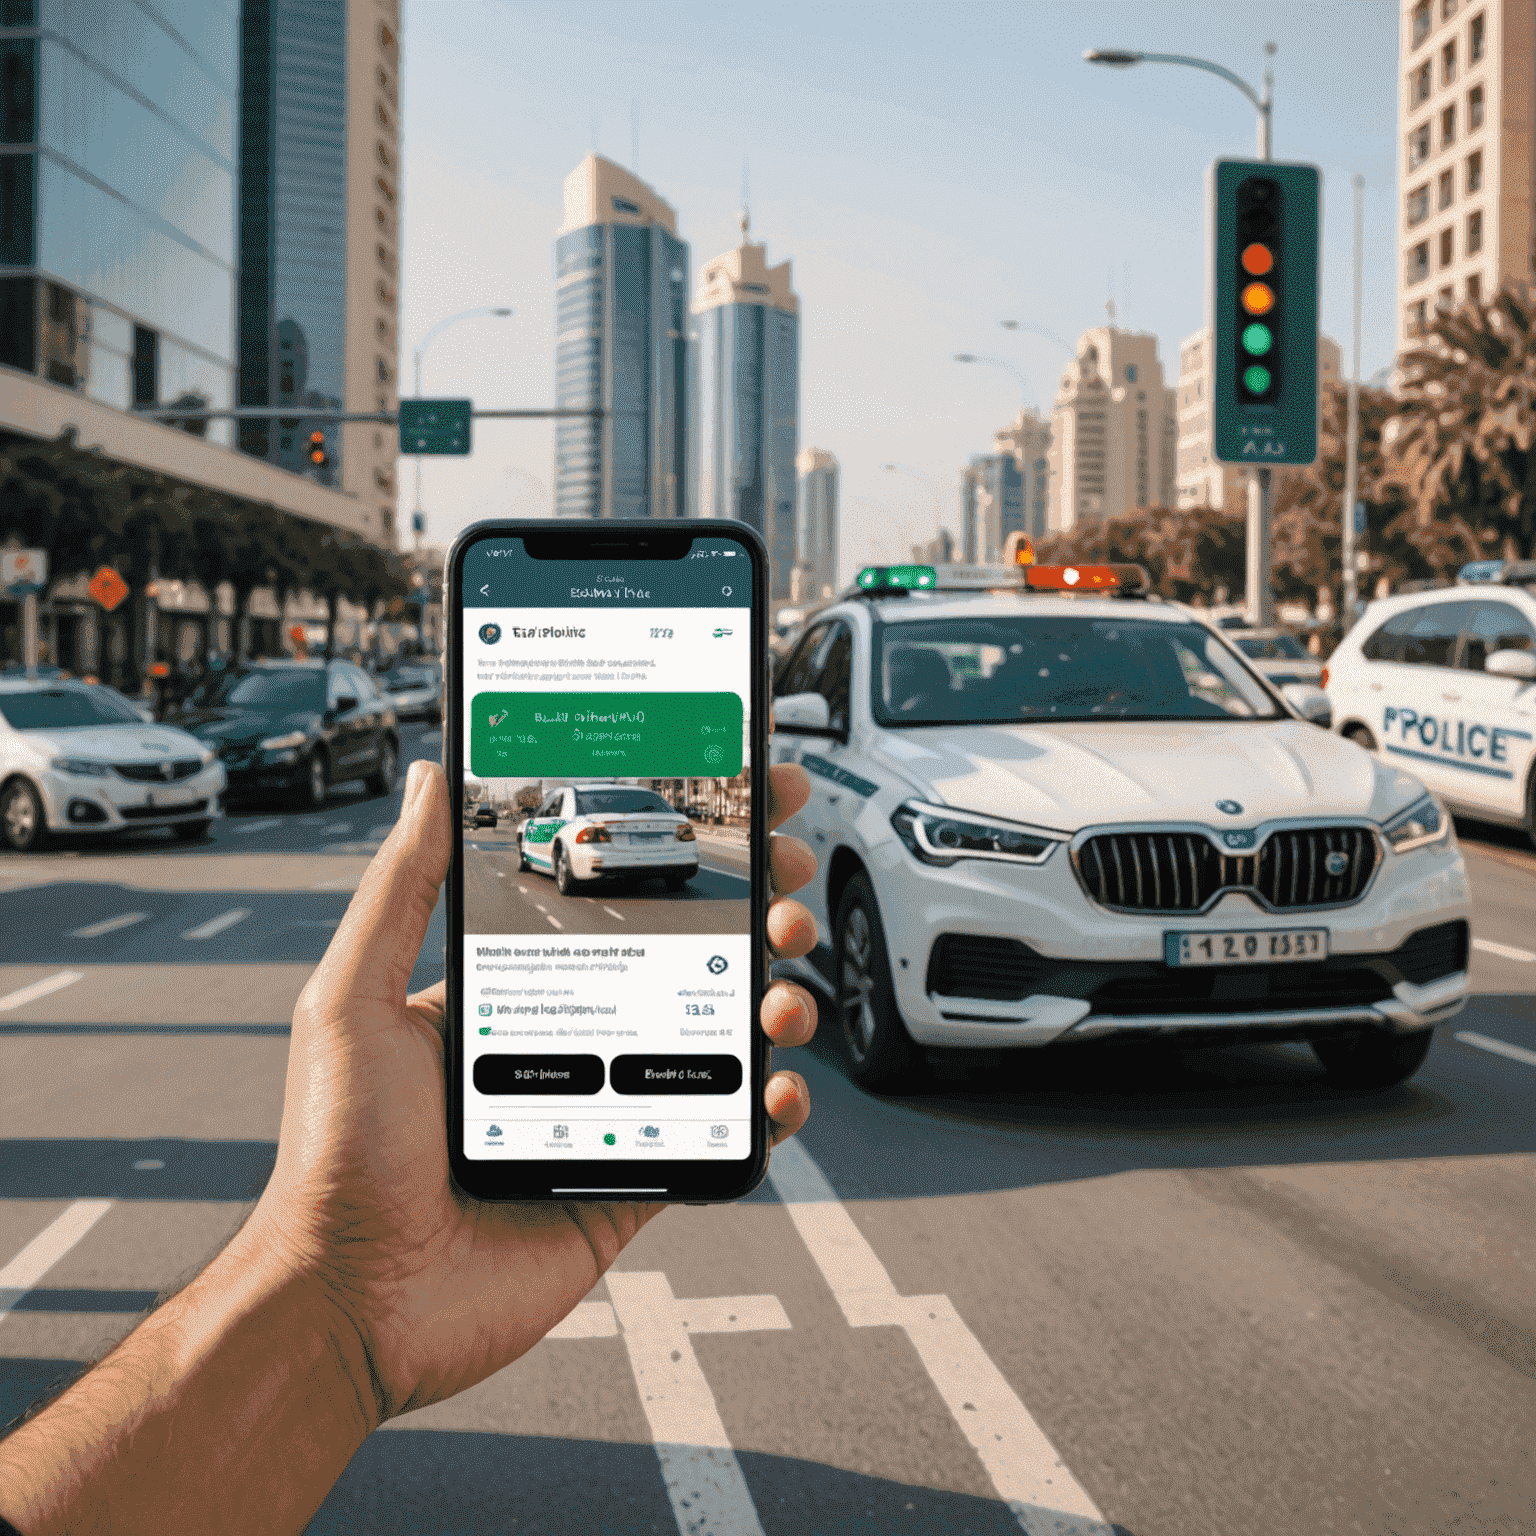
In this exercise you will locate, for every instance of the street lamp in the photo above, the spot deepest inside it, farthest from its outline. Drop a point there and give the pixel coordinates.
(928, 480)
(998, 362)
(500, 312)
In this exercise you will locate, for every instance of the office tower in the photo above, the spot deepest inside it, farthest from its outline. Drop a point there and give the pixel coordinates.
(1202, 480)
(1028, 438)
(1465, 131)
(319, 209)
(991, 505)
(747, 321)
(621, 344)
(1113, 430)
(816, 525)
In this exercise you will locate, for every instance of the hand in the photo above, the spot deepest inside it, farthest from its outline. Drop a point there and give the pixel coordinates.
(442, 1290)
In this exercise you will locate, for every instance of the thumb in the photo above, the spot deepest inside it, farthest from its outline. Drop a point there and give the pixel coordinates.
(375, 948)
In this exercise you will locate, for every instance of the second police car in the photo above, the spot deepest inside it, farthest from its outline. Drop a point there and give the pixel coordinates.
(1048, 810)
(1444, 683)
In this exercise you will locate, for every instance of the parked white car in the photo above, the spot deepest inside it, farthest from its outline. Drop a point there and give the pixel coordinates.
(76, 758)
(1044, 817)
(589, 831)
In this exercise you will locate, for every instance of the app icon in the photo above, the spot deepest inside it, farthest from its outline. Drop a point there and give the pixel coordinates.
(650, 1130)
(490, 634)
(719, 1132)
(715, 964)
(609, 1139)
(562, 1132)
(485, 1010)
(485, 1029)
(494, 1130)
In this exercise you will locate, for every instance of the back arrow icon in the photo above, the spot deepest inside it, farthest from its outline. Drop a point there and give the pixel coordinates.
(485, 591)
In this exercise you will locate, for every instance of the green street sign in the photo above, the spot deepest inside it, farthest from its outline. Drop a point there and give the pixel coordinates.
(1267, 220)
(435, 426)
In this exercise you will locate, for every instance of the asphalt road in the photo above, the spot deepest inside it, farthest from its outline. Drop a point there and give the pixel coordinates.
(1160, 1294)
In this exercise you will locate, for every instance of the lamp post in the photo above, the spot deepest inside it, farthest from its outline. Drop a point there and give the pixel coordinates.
(1261, 599)
(928, 480)
(418, 519)
(1352, 430)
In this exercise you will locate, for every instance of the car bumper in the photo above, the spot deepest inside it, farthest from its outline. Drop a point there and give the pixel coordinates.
(75, 803)
(1103, 972)
(590, 860)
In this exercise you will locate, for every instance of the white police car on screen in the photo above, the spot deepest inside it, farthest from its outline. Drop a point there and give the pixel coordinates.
(1444, 682)
(1047, 810)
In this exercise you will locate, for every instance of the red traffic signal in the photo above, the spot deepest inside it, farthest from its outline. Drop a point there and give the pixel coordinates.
(317, 454)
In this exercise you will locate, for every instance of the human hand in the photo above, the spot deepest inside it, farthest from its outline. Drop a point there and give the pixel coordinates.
(442, 1290)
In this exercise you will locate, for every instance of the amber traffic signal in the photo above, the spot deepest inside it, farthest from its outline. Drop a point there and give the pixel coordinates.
(317, 454)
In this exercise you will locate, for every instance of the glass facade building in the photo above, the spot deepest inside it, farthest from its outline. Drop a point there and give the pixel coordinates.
(992, 506)
(816, 525)
(117, 190)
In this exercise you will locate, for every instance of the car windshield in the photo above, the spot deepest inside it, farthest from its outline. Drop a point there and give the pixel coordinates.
(989, 670)
(408, 677)
(52, 709)
(280, 690)
(618, 802)
(1271, 647)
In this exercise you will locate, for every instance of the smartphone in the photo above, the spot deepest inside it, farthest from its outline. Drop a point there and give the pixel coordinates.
(606, 746)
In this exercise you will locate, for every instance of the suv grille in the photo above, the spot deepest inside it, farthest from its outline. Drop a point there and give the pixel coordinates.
(150, 773)
(1185, 871)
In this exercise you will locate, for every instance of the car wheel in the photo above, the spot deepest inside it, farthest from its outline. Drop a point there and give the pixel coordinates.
(879, 1050)
(192, 831)
(22, 822)
(565, 881)
(382, 780)
(310, 795)
(1371, 1058)
(522, 858)
(1361, 737)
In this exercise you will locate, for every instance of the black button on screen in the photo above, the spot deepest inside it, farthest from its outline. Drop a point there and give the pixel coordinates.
(675, 1074)
(500, 1075)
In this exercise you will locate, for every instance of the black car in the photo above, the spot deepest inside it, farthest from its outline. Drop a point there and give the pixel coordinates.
(485, 815)
(295, 729)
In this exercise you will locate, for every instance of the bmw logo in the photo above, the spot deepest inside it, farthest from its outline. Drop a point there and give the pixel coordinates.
(1229, 807)
(1336, 864)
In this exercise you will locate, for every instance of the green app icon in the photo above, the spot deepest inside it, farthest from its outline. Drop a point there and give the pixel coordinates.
(485, 1029)
(609, 1139)
(485, 1010)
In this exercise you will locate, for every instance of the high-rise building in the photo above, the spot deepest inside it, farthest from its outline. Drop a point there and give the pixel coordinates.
(1203, 480)
(621, 345)
(991, 505)
(747, 321)
(1028, 439)
(319, 236)
(1466, 129)
(816, 526)
(1113, 430)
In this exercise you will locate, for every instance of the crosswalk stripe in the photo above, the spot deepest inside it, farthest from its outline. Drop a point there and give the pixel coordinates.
(1498, 1047)
(109, 925)
(55, 983)
(216, 925)
(1023, 1465)
(1503, 951)
(46, 1249)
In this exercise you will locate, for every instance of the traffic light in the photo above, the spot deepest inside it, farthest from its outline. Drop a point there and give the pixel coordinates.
(317, 454)
(1264, 311)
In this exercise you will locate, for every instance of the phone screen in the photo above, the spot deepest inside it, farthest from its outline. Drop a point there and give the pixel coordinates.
(608, 979)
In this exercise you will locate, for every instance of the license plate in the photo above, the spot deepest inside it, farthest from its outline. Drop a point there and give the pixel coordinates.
(1247, 946)
(647, 837)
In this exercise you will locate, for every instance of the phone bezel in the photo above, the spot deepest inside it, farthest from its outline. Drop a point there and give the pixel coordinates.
(684, 1180)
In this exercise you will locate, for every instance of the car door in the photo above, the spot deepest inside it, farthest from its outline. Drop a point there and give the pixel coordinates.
(371, 710)
(539, 832)
(1500, 710)
(349, 729)
(1421, 713)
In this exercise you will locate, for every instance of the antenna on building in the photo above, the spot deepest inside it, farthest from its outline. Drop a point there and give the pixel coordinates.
(745, 217)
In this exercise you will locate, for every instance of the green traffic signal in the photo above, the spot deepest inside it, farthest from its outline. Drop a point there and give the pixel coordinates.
(1256, 379)
(1257, 339)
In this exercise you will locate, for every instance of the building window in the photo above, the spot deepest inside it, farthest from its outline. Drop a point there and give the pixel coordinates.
(1420, 22)
(1444, 299)
(624, 205)
(1418, 262)
(1418, 146)
(146, 365)
(384, 374)
(1447, 9)
(382, 151)
(1474, 108)
(1475, 172)
(1476, 40)
(1414, 318)
(1474, 233)
(1447, 247)
(1474, 288)
(387, 191)
(1130, 373)
(18, 90)
(1419, 85)
(1448, 62)
(1448, 126)
(1447, 189)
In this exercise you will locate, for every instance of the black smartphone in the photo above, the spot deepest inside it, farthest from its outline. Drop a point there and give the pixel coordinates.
(606, 745)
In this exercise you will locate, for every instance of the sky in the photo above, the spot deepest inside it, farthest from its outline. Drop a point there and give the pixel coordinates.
(931, 170)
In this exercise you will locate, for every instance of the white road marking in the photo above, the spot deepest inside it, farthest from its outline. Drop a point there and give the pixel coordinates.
(523, 889)
(589, 1320)
(1504, 951)
(704, 1481)
(612, 913)
(556, 921)
(337, 829)
(258, 826)
(501, 874)
(147, 1165)
(217, 925)
(55, 983)
(1029, 1476)
(109, 925)
(1498, 1047)
(46, 1249)
(340, 883)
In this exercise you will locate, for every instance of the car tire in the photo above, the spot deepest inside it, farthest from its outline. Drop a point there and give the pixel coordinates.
(523, 866)
(314, 786)
(874, 1041)
(1373, 1059)
(382, 780)
(191, 831)
(1360, 736)
(23, 824)
(565, 882)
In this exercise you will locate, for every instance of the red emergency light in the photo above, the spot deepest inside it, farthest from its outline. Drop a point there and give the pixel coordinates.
(1087, 578)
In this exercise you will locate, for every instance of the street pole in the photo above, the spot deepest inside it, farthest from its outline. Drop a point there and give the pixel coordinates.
(1352, 429)
(29, 633)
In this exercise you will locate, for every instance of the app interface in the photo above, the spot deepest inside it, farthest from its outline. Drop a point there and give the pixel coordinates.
(607, 895)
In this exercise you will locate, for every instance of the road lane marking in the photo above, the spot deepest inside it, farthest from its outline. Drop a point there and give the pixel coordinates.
(556, 921)
(340, 883)
(1498, 1047)
(1023, 1464)
(337, 829)
(217, 925)
(258, 826)
(46, 1249)
(1504, 951)
(612, 913)
(523, 889)
(109, 925)
(501, 874)
(381, 831)
(55, 983)
(703, 1477)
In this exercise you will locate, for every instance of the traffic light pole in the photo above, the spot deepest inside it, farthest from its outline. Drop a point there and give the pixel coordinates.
(1352, 431)
(1260, 562)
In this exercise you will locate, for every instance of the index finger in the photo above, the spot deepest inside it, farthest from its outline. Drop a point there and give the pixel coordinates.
(789, 787)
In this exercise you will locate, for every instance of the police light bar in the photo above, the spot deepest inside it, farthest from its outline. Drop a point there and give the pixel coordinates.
(897, 578)
(1087, 578)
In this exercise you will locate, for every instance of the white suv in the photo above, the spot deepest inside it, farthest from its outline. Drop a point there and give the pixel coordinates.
(1048, 817)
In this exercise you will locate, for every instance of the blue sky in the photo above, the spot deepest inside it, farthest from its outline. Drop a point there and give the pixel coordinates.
(931, 170)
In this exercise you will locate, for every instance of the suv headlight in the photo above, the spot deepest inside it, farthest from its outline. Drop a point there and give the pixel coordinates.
(1426, 821)
(937, 835)
(277, 743)
(83, 766)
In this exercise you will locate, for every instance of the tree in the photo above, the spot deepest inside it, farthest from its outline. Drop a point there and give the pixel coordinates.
(1188, 552)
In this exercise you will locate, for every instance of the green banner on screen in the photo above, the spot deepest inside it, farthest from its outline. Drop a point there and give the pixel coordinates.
(605, 735)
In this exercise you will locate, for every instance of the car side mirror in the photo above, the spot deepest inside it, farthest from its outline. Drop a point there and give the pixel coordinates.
(1312, 704)
(801, 711)
(344, 702)
(1521, 664)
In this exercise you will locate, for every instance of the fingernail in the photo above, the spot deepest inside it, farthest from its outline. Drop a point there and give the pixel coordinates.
(415, 783)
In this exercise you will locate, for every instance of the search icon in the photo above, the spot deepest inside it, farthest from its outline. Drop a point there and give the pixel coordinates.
(725, 591)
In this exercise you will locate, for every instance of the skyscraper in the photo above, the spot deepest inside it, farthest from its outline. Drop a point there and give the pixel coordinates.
(991, 505)
(816, 526)
(319, 202)
(621, 344)
(1028, 439)
(748, 325)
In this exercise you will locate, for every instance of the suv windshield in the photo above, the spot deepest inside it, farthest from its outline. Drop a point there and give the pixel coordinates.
(281, 690)
(52, 709)
(985, 671)
(1271, 647)
(618, 802)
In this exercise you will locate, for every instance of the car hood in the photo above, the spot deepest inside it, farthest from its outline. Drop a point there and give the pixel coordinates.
(1066, 777)
(127, 743)
(238, 727)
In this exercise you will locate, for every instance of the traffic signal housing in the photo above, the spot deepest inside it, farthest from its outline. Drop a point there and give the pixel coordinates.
(1266, 219)
(316, 450)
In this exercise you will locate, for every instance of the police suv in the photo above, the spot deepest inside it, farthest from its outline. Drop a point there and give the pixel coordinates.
(1047, 808)
(1443, 683)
